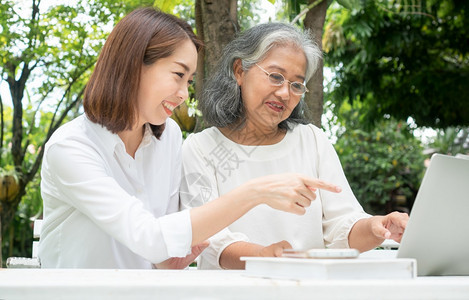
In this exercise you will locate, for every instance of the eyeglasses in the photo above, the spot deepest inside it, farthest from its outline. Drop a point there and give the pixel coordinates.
(278, 79)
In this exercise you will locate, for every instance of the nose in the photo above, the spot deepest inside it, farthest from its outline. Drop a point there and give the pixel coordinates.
(283, 91)
(183, 93)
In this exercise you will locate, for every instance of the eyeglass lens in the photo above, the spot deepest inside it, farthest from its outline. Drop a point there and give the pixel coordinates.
(278, 79)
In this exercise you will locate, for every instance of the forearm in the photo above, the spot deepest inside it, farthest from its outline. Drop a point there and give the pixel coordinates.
(361, 236)
(288, 192)
(217, 214)
(229, 259)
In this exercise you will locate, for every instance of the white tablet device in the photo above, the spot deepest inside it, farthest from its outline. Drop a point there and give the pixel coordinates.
(321, 253)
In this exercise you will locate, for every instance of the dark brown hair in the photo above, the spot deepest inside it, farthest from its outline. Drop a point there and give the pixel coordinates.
(142, 37)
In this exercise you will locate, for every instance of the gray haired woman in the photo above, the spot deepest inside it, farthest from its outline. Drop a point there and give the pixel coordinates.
(222, 102)
(254, 103)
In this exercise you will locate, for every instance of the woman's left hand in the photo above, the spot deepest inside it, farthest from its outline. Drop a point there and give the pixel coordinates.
(183, 262)
(390, 226)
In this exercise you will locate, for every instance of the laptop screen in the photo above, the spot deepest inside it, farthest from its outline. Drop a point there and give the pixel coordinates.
(437, 234)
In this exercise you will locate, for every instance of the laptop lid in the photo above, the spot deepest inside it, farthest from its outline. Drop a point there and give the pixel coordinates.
(437, 234)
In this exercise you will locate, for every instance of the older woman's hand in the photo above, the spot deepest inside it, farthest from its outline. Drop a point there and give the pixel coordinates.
(390, 226)
(370, 232)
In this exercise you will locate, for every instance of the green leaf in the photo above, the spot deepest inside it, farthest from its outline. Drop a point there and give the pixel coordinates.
(408, 62)
(345, 3)
(167, 6)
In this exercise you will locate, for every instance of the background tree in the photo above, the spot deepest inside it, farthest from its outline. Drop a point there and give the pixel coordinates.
(47, 56)
(217, 24)
(312, 13)
(384, 165)
(315, 11)
(402, 60)
(314, 21)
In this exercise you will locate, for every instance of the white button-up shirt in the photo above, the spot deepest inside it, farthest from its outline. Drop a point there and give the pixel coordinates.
(105, 209)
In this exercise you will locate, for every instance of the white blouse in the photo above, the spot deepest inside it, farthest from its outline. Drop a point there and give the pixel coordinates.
(105, 209)
(213, 165)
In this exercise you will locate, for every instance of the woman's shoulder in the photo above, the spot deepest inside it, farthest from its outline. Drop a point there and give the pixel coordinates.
(81, 134)
(211, 133)
(205, 139)
(309, 130)
(172, 131)
(70, 138)
(171, 125)
(69, 130)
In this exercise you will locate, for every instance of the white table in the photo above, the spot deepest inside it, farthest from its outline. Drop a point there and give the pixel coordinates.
(194, 284)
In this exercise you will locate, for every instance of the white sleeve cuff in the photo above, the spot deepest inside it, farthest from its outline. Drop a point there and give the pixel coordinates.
(210, 258)
(176, 229)
(340, 240)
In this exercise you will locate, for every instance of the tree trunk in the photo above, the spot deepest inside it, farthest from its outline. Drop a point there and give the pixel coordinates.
(1, 258)
(314, 20)
(2, 126)
(216, 23)
(218, 28)
(199, 76)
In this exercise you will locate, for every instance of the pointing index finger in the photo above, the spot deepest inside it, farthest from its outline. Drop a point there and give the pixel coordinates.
(319, 184)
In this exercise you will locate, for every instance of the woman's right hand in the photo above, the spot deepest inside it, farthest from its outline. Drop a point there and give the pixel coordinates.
(289, 192)
(274, 250)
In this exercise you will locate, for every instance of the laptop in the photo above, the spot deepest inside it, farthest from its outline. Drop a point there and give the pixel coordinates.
(437, 234)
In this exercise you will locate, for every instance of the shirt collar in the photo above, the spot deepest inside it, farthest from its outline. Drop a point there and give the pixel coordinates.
(148, 136)
(108, 139)
(111, 140)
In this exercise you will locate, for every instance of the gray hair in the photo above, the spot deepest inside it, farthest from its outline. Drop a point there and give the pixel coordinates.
(221, 103)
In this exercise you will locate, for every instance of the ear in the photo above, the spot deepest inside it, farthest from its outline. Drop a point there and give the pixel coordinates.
(238, 71)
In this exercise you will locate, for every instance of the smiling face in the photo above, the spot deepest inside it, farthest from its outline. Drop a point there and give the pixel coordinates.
(267, 105)
(164, 84)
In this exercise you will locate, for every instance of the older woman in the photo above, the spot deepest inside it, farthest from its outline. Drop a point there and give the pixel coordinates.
(254, 101)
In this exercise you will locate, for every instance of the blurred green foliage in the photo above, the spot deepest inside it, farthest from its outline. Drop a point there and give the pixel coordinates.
(47, 53)
(451, 141)
(402, 58)
(381, 163)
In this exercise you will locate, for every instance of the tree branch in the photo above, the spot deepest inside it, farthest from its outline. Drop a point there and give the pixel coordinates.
(37, 162)
(305, 11)
(2, 127)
